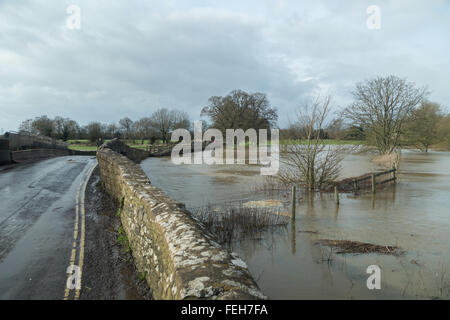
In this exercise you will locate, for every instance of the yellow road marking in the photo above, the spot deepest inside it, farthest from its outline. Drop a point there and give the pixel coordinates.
(78, 204)
(75, 236)
(75, 231)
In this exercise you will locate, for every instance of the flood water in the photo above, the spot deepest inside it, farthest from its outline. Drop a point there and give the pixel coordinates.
(288, 263)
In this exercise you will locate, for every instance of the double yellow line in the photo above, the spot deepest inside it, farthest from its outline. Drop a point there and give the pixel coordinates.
(79, 207)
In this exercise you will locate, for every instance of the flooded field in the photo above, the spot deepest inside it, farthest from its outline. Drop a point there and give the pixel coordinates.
(290, 263)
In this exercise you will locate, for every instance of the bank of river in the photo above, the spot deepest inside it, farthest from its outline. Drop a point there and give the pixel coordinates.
(289, 264)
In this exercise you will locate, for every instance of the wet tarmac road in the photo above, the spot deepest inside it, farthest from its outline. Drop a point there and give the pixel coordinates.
(37, 218)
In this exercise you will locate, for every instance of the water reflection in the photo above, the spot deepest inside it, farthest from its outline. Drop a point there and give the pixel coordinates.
(293, 244)
(336, 212)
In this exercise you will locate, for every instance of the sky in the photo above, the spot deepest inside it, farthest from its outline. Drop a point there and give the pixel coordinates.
(129, 58)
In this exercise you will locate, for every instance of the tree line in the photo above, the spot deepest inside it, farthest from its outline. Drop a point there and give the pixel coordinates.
(423, 127)
(157, 126)
(387, 112)
(237, 110)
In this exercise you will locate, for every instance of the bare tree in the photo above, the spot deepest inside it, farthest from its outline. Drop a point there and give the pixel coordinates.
(162, 122)
(180, 120)
(113, 130)
(443, 131)
(422, 126)
(65, 128)
(27, 126)
(336, 128)
(60, 128)
(144, 129)
(240, 110)
(311, 163)
(165, 121)
(381, 106)
(40, 125)
(126, 124)
(94, 131)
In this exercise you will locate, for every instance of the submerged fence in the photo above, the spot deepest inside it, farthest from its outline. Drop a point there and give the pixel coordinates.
(367, 182)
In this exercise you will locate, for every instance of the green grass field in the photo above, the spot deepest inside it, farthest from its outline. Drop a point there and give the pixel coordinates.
(138, 146)
(325, 141)
(82, 147)
(86, 145)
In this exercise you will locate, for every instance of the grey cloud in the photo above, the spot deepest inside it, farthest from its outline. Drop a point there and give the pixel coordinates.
(130, 58)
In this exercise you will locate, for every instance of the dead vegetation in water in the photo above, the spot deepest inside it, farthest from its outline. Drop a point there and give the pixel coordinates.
(270, 185)
(308, 231)
(356, 247)
(238, 222)
(388, 160)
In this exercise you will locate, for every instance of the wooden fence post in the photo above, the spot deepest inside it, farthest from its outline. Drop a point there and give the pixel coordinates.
(293, 204)
(373, 182)
(355, 186)
(336, 195)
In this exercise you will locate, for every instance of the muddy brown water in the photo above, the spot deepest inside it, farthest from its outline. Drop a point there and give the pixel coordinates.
(288, 263)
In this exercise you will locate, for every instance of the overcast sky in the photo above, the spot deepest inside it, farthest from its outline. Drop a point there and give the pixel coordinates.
(131, 57)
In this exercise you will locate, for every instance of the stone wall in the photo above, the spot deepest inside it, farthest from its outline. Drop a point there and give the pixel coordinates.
(36, 154)
(5, 154)
(164, 150)
(24, 141)
(118, 146)
(83, 153)
(179, 259)
(160, 150)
